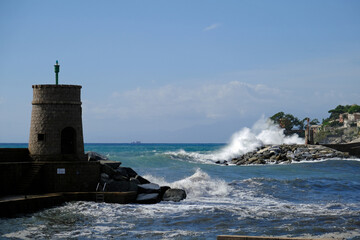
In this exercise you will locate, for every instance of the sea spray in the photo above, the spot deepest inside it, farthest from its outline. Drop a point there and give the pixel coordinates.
(200, 184)
(263, 132)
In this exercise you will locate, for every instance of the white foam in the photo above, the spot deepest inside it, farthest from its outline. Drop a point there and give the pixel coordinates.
(246, 140)
(200, 184)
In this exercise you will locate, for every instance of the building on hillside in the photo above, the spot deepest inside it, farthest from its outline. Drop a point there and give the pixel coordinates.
(355, 117)
(342, 117)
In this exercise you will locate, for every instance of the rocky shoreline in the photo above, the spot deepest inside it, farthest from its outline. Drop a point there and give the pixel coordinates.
(115, 178)
(282, 154)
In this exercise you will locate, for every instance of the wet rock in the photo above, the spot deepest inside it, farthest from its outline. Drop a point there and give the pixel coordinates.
(252, 159)
(104, 178)
(148, 198)
(135, 181)
(260, 161)
(94, 156)
(119, 177)
(287, 154)
(174, 195)
(126, 172)
(108, 170)
(141, 179)
(163, 189)
(114, 178)
(149, 188)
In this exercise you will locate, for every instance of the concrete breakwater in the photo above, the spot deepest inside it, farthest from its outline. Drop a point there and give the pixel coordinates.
(276, 154)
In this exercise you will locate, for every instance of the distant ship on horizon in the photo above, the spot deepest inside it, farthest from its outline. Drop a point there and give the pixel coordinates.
(136, 142)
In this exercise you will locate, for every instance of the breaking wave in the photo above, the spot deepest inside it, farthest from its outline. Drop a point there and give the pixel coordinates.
(246, 140)
(200, 184)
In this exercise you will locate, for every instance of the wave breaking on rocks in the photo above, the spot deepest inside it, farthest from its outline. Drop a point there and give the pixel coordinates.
(277, 154)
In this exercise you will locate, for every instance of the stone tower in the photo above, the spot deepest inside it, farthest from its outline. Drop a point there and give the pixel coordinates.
(56, 123)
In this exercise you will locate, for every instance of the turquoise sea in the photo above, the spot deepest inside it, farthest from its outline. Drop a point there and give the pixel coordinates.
(308, 199)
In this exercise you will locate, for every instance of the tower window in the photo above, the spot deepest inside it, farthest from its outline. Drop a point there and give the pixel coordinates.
(41, 137)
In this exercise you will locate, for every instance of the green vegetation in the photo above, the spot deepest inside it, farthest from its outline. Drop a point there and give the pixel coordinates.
(334, 113)
(289, 122)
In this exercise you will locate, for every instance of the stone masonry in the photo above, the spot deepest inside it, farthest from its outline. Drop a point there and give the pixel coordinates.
(56, 123)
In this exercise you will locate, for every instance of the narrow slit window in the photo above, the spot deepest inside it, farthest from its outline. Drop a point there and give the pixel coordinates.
(41, 137)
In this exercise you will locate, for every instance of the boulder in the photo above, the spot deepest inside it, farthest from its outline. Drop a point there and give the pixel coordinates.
(104, 178)
(108, 170)
(112, 164)
(119, 177)
(94, 156)
(175, 195)
(148, 198)
(135, 181)
(260, 161)
(121, 171)
(163, 189)
(252, 160)
(126, 171)
(133, 187)
(149, 188)
(141, 179)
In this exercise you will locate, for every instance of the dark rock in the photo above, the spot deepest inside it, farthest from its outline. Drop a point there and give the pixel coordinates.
(94, 156)
(133, 187)
(141, 179)
(126, 171)
(119, 177)
(121, 171)
(221, 162)
(149, 188)
(174, 195)
(163, 189)
(108, 170)
(148, 198)
(104, 177)
(112, 164)
(135, 181)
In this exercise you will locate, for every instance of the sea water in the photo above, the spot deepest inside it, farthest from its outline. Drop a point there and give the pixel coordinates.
(307, 199)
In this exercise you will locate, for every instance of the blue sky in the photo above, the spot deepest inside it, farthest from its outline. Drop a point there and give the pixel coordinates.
(179, 71)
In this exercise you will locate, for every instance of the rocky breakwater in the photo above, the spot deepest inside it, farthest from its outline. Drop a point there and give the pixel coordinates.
(115, 178)
(277, 154)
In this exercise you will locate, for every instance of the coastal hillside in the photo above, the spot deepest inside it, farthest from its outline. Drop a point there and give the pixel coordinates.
(342, 125)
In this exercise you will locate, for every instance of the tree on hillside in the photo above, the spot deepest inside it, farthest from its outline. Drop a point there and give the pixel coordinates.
(334, 113)
(315, 121)
(354, 108)
(287, 121)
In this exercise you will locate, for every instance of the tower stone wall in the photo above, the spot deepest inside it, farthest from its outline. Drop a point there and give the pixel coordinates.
(56, 131)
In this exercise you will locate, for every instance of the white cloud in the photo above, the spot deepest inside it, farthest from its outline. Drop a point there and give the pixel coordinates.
(186, 104)
(212, 27)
